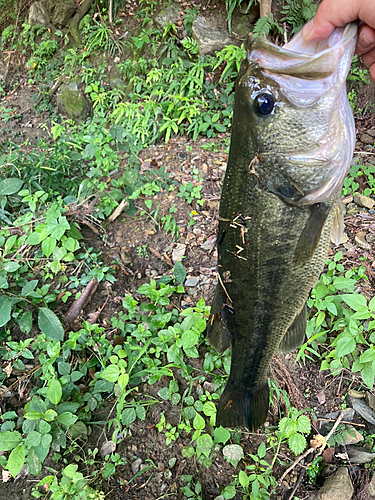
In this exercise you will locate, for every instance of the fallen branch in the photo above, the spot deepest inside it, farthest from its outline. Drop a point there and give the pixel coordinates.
(81, 302)
(74, 22)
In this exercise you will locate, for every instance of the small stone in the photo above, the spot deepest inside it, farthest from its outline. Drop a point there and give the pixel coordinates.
(38, 14)
(209, 244)
(178, 252)
(367, 139)
(361, 241)
(371, 132)
(351, 436)
(191, 282)
(136, 465)
(338, 486)
(370, 238)
(371, 486)
(359, 455)
(363, 201)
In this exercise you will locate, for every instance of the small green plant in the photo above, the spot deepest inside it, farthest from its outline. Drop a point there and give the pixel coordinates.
(360, 173)
(297, 12)
(189, 18)
(189, 192)
(293, 427)
(265, 25)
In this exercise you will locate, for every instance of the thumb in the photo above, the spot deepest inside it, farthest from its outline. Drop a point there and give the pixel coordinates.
(319, 28)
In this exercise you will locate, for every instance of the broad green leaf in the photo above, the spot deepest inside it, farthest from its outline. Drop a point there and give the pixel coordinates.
(228, 492)
(372, 304)
(67, 418)
(204, 444)
(5, 310)
(221, 435)
(243, 479)
(50, 324)
(9, 244)
(368, 356)
(10, 186)
(368, 377)
(50, 415)
(111, 373)
(199, 422)
(48, 245)
(189, 339)
(29, 287)
(303, 424)
(123, 380)
(54, 391)
(179, 272)
(209, 408)
(233, 453)
(33, 439)
(297, 443)
(9, 440)
(33, 239)
(262, 450)
(345, 345)
(354, 300)
(33, 415)
(11, 266)
(16, 460)
(128, 416)
(33, 462)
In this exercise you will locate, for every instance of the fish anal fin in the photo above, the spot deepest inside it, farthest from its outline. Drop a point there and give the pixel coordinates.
(310, 236)
(243, 407)
(295, 335)
(217, 331)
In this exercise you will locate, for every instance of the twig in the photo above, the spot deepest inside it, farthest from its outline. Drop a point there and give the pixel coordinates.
(322, 419)
(81, 302)
(19, 380)
(311, 450)
(225, 290)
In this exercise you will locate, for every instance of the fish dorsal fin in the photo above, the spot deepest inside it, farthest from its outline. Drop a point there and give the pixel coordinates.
(310, 236)
(217, 331)
(338, 223)
(295, 335)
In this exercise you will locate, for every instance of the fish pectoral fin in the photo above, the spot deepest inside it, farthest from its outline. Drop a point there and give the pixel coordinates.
(295, 335)
(243, 407)
(217, 331)
(310, 236)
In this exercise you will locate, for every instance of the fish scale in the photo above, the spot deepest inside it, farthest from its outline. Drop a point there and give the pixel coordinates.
(279, 203)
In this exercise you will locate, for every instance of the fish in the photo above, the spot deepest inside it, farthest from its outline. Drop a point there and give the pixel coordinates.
(292, 142)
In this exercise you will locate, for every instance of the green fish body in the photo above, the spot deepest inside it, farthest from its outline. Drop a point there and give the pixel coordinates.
(292, 141)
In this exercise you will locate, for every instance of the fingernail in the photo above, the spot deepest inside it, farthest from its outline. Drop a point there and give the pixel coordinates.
(363, 42)
(307, 30)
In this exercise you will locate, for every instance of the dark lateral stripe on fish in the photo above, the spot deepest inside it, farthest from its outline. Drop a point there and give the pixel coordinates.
(310, 236)
(243, 407)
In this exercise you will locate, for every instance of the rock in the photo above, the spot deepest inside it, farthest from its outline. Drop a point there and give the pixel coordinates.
(338, 486)
(348, 415)
(178, 252)
(72, 102)
(191, 282)
(370, 238)
(359, 455)
(168, 15)
(351, 436)
(210, 39)
(136, 465)
(371, 486)
(209, 244)
(361, 241)
(61, 12)
(371, 132)
(242, 24)
(360, 407)
(363, 201)
(367, 139)
(38, 15)
(114, 79)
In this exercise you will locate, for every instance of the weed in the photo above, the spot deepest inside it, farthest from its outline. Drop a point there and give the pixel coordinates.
(297, 12)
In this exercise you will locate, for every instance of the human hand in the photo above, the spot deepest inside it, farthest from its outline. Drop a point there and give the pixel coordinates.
(332, 13)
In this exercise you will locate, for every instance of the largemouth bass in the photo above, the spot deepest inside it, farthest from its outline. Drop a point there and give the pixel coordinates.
(292, 141)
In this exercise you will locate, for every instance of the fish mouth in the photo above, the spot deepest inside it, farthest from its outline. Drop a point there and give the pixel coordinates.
(307, 60)
(311, 74)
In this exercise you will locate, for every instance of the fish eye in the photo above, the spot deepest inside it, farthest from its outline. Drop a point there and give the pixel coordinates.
(265, 103)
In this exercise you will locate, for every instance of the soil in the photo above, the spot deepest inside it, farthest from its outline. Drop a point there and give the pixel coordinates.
(123, 241)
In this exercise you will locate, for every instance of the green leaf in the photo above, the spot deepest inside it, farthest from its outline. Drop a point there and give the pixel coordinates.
(354, 300)
(368, 377)
(33, 239)
(54, 391)
(10, 186)
(9, 440)
(243, 479)
(345, 345)
(16, 460)
(5, 310)
(128, 416)
(262, 450)
(209, 408)
(33, 415)
(189, 339)
(48, 245)
(50, 324)
(297, 443)
(198, 422)
(233, 453)
(111, 373)
(11, 266)
(228, 492)
(179, 272)
(29, 287)
(221, 435)
(287, 426)
(50, 415)
(303, 424)
(204, 445)
(67, 418)
(33, 439)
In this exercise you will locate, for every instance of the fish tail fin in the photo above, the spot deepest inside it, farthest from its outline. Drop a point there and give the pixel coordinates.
(244, 407)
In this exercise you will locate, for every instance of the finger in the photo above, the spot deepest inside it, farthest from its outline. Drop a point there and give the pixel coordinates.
(365, 40)
(369, 58)
(372, 72)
